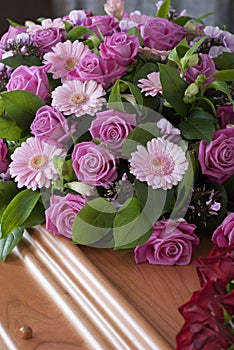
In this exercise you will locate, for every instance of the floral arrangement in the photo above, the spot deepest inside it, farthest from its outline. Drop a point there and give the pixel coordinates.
(117, 131)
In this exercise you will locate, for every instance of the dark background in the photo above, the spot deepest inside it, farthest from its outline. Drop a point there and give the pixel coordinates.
(21, 10)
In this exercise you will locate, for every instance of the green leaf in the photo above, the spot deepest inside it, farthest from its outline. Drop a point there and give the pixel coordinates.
(9, 243)
(68, 25)
(221, 86)
(178, 52)
(134, 31)
(14, 24)
(21, 60)
(173, 87)
(131, 226)
(146, 69)
(115, 95)
(139, 136)
(36, 217)
(189, 53)
(184, 190)
(18, 210)
(93, 222)
(200, 114)
(198, 129)
(164, 9)
(200, 19)
(152, 201)
(135, 91)
(68, 172)
(78, 33)
(8, 190)
(225, 61)
(181, 21)
(21, 106)
(9, 129)
(224, 75)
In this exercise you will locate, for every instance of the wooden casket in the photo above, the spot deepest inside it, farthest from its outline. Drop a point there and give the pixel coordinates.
(88, 298)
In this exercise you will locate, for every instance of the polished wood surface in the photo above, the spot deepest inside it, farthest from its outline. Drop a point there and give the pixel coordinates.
(88, 298)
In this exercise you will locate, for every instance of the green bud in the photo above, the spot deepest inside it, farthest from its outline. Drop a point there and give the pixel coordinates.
(190, 93)
(193, 60)
(201, 79)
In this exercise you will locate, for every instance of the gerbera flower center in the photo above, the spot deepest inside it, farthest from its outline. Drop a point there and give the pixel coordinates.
(70, 63)
(162, 165)
(78, 98)
(38, 162)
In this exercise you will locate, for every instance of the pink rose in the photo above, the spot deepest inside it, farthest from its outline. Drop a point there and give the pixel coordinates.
(33, 79)
(93, 67)
(47, 38)
(216, 157)
(161, 34)
(3, 160)
(12, 33)
(120, 47)
(226, 114)
(94, 164)
(62, 212)
(171, 243)
(50, 126)
(224, 234)
(206, 66)
(106, 24)
(112, 127)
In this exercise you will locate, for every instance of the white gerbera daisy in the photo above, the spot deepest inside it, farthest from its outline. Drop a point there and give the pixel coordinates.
(77, 97)
(161, 164)
(32, 164)
(64, 57)
(152, 85)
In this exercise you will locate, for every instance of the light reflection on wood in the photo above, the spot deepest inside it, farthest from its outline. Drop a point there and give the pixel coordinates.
(50, 285)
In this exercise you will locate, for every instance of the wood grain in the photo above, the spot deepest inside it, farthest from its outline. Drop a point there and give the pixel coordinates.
(155, 291)
(88, 298)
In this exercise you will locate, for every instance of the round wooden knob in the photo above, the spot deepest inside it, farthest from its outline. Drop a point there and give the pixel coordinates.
(26, 332)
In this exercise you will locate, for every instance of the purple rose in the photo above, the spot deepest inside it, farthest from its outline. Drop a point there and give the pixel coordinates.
(12, 34)
(94, 164)
(226, 114)
(216, 157)
(224, 234)
(171, 243)
(50, 126)
(161, 34)
(93, 67)
(206, 66)
(33, 79)
(3, 160)
(120, 47)
(112, 127)
(62, 212)
(106, 24)
(47, 38)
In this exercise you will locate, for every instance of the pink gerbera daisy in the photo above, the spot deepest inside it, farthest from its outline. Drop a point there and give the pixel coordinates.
(152, 85)
(161, 164)
(78, 97)
(32, 164)
(64, 57)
